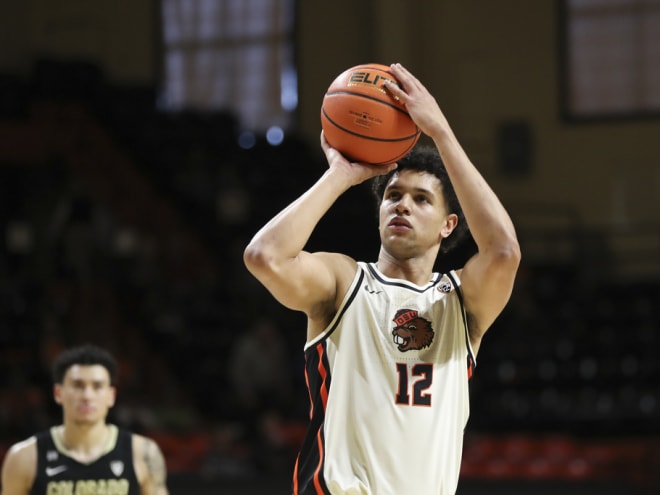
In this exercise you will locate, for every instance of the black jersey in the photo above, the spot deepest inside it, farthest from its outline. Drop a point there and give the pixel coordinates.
(111, 474)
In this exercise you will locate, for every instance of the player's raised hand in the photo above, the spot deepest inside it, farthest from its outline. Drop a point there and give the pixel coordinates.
(420, 103)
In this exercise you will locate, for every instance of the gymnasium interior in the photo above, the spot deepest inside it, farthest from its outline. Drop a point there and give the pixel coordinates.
(127, 198)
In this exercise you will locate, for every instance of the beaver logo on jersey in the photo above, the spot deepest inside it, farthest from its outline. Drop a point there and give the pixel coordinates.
(411, 331)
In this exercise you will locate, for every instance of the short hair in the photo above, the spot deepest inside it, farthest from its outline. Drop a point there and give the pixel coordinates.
(425, 158)
(84, 355)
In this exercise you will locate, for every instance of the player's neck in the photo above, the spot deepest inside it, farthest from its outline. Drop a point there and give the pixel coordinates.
(416, 270)
(84, 442)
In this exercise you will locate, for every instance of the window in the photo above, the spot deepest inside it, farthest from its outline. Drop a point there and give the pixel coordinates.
(235, 55)
(611, 58)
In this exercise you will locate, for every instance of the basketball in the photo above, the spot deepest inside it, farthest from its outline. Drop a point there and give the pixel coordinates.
(363, 121)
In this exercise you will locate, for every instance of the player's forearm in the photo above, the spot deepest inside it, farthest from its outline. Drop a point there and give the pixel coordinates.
(490, 224)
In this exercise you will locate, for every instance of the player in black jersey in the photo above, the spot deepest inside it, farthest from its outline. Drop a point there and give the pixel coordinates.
(84, 454)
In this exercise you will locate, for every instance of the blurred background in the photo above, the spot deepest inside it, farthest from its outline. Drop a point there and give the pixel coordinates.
(143, 142)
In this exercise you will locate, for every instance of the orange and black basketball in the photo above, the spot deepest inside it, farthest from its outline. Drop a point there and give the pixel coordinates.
(362, 120)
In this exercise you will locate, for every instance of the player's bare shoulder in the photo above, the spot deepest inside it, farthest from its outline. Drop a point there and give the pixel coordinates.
(343, 265)
(343, 268)
(150, 466)
(19, 467)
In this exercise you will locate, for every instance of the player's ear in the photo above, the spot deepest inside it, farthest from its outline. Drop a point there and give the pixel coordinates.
(57, 393)
(450, 223)
(113, 396)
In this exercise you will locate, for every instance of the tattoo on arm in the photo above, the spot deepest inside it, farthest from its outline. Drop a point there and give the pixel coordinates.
(156, 470)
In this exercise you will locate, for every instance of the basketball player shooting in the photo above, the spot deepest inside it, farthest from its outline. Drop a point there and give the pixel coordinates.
(391, 344)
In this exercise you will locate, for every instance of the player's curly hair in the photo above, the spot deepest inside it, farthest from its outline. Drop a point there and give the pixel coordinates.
(85, 355)
(425, 158)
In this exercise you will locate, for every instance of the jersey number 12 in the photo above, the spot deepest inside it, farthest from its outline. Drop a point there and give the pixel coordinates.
(420, 375)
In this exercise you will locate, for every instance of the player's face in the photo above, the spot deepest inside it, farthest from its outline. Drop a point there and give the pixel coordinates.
(85, 394)
(413, 216)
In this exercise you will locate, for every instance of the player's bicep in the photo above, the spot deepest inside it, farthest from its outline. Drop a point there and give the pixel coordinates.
(486, 284)
(151, 467)
(19, 468)
(303, 282)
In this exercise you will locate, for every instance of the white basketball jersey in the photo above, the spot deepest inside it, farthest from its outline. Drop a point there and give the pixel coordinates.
(388, 384)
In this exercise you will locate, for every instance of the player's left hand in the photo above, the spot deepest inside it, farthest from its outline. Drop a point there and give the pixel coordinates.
(420, 103)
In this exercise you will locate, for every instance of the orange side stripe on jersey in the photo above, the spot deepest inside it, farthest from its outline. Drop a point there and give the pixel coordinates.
(295, 478)
(317, 483)
(323, 373)
(309, 392)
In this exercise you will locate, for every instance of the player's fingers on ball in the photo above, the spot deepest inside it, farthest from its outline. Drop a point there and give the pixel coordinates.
(401, 71)
(394, 88)
(406, 77)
